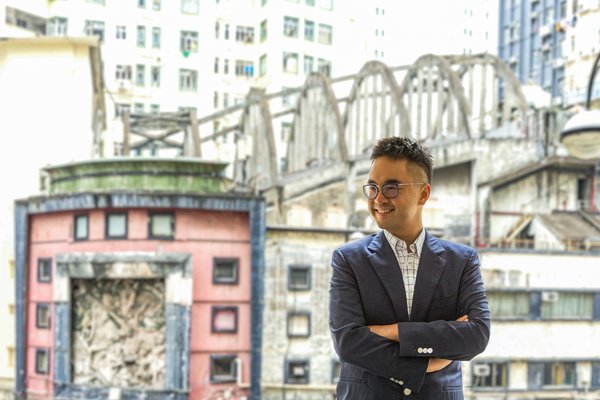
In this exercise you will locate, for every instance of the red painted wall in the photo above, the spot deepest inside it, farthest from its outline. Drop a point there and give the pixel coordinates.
(203, 234)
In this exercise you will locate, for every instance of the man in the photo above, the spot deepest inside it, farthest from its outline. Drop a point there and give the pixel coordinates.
(404, 306)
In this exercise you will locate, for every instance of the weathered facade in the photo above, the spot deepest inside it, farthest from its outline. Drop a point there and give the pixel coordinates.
(145, 284)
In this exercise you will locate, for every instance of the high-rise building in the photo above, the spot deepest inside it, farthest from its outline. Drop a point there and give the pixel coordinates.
(531, 34)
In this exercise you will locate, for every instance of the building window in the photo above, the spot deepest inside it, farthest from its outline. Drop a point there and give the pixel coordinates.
(189, 6)
(121, 109)
(263, 30)
(296, 371)
(509, 304)
(290, 26)
(138, 108)
(161, 225)
(154, 108)
(309, 64)
(123, 72)
(487, 375)
(141, 36)
(310, 3)
(222, 368)
(156, 5)
(288, 100)
(121, 32)
(299, 277)
(325, 33)
(226, 32)
(42, 315)
(225, 100)
(42, 361)
(326, 4)
(141, 3)
(224, 319)
(217, 29)
(226, 66)
(336, 370)
(298, 324)
(57, 26)
(290, 62)
(596, 375)
(44, 270)
(309, 30)
(188, 42)
(156, 37)
(324, 67)
(95, 28)
(564, 305)
(81, 227)
(244, 68)
(216, 65)
(262, 65)
(188, 80)
(244, 34)
(155, 76)
(554, 374)
(140, 75)
(116, 225)
(226, 271)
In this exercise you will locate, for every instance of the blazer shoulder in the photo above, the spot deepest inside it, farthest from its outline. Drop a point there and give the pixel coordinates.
(357, 245)
(455, 247)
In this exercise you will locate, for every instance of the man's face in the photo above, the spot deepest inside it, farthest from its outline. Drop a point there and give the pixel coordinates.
(403, 212)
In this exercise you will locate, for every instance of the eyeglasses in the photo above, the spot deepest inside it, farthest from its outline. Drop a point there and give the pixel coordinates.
(389, 190)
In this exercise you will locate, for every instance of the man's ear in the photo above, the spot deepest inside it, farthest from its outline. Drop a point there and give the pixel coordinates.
(424, 194)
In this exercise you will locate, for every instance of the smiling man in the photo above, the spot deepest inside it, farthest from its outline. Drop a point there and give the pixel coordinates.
(404, 306)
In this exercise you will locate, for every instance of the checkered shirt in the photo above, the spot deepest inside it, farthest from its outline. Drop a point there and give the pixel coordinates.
(408, 262)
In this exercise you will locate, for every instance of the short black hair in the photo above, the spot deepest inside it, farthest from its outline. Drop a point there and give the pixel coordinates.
(403, 148)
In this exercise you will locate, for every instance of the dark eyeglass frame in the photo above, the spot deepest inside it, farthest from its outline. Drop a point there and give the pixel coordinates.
(385, 189)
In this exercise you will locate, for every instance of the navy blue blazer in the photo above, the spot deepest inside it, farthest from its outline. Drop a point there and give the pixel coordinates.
(366, 288)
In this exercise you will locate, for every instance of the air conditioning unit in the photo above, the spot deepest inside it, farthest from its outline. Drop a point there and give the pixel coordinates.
(482, 370)
(549, 297)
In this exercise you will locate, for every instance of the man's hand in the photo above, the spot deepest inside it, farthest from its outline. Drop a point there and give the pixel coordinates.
(436, 364)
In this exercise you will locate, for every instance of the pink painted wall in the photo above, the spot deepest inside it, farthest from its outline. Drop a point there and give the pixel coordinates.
(203, 234)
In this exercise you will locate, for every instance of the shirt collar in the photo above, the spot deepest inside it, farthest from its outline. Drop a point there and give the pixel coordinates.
(416, 247)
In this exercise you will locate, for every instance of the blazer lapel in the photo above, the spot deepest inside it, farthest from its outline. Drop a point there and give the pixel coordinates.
(431, 267)
(385, 264)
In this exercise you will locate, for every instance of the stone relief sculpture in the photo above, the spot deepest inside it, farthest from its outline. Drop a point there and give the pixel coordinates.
(118, 332)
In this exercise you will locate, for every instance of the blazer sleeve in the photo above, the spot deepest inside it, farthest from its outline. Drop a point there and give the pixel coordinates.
(353, 340)
(451, 339)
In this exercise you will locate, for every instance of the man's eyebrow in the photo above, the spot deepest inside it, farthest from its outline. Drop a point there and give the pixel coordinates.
(384, 182)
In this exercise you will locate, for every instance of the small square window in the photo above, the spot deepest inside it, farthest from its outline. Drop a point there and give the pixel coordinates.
(116, 225)
(44, 270)
(161, 225)
(225, 271)
(42, 361)
(299, 277)
(222, 368)
(298, 324)
(297, 371)
(81, 227)
(42, 315)
(336, 369)
(224, 319)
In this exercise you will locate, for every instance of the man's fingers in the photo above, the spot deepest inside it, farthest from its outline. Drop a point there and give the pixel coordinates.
(464, 318)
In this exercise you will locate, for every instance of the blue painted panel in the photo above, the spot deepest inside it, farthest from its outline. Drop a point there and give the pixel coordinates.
(597, 306)
(535, 375)
(177, 351)
(21, 235)
(535, 310)
(257, 244)
(62, 342)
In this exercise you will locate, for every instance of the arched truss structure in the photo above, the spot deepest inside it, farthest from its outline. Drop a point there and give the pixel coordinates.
(374, 108)
(317, 134)
(276, 140)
